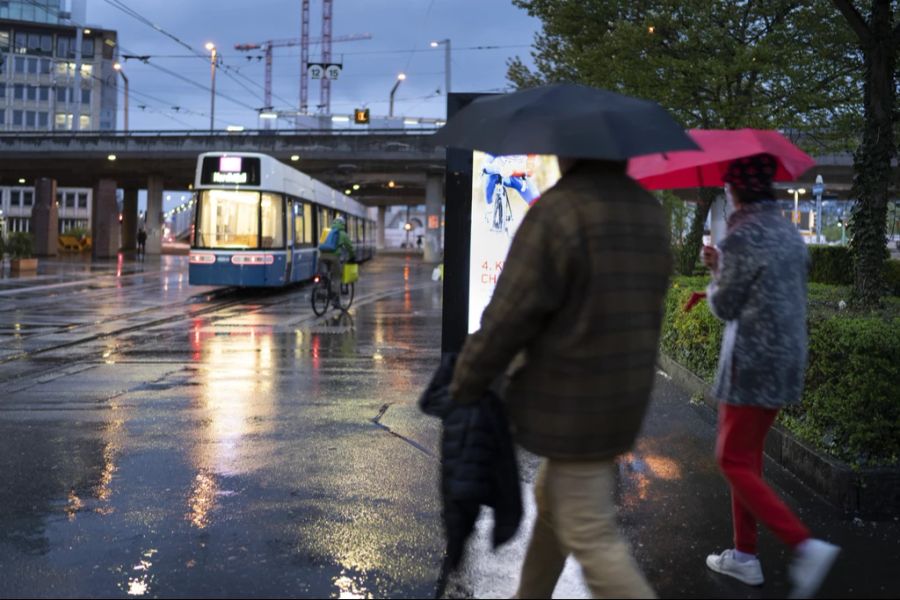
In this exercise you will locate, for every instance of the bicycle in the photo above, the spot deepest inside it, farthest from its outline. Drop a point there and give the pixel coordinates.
(323, 296)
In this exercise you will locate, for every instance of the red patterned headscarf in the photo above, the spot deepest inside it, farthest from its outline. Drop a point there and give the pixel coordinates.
(752, 174)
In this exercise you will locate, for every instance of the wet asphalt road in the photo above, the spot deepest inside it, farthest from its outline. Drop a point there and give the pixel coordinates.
(162, 440)
(159, 440)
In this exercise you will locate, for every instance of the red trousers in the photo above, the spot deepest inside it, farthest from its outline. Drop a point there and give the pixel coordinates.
(739, 452)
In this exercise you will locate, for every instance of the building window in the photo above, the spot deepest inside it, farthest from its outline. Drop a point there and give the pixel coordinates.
(84, 122)
(18, 92)
(82, 200)
(44, 93)
(59, 198)
(87, 48)
(31, 93)
(4, 41)
(33, 64)
(27, 198)
(86, 96)
(61, 94)
(2, 116)
(15, 198)
(2, 90)
(21, 42)
(63, 121)
(43, 120)
(18, 118)
(70, 199)
(30, 118)
(46, 66)
(19, 65)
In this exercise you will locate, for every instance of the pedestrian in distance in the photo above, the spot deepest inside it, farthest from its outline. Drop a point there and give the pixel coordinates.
(142, 243)
(579, 307)
(758, 288)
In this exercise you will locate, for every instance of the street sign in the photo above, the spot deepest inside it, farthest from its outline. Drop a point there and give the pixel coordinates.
(324, 70)
(818, 189)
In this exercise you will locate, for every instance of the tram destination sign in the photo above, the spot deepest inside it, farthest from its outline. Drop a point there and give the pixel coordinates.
(230, 170)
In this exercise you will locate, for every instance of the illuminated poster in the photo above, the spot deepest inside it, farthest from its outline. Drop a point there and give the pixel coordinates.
(503, 188)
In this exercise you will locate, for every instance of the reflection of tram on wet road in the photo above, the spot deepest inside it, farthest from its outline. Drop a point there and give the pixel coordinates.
(257, 222)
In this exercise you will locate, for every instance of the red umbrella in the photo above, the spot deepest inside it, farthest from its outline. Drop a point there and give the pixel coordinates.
(706, 167)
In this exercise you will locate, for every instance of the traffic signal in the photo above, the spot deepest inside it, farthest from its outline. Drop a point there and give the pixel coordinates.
(361, 116)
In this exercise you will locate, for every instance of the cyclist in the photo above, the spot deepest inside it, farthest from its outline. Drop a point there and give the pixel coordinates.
(334, 252)
(497, 169)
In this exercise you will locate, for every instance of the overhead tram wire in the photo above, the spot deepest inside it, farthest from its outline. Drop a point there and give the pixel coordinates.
(228, 70)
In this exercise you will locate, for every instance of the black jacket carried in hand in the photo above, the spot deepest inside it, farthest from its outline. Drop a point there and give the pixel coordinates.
(478, 463)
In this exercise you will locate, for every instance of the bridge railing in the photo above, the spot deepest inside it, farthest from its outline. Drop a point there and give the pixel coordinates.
(201, 133)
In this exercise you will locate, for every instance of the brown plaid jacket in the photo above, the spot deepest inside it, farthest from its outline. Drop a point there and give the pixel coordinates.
(581, 293)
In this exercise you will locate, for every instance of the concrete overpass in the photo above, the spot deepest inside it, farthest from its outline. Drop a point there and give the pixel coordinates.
(340, 159)
(391, 167)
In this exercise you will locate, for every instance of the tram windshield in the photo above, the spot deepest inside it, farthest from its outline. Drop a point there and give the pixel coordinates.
(232, 219)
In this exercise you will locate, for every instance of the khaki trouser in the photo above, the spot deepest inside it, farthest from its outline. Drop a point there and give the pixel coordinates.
(577, 515)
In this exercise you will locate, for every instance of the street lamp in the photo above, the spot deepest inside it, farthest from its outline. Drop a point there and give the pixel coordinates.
(797, 193)
(118, 67)
(446, 44)
(400, 78)
(212, 62)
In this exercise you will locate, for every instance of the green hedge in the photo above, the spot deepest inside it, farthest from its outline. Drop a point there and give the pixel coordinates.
(830, 264)
(851, 401)
(833, 265)
(892, 275)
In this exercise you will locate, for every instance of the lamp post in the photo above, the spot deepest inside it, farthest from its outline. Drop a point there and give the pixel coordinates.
(118, 67)
(212, 68)
(446, 45)
(400, 78)
(797, 193)
(818, 189)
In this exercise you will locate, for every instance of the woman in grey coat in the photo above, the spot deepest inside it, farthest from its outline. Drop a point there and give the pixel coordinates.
(758, 289)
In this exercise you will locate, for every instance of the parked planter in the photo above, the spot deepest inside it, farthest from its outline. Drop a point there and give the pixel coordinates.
(23, 266)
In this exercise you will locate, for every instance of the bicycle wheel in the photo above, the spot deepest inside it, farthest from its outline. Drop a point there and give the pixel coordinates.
(348, 290)
(320, 297)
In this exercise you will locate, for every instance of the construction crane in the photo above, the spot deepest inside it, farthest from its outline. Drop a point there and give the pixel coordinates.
(269, 45)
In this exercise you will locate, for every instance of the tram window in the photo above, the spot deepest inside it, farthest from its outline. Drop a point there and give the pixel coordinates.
(324, 220)
(272, 221)
(308, 224)
(289, 229)
(298, 223)
(228, 219)
(360, 233)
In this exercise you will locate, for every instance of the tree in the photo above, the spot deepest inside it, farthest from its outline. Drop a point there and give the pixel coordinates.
(712, 63)
(879, 39)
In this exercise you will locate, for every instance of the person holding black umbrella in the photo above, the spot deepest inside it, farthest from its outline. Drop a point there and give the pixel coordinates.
(579, 301)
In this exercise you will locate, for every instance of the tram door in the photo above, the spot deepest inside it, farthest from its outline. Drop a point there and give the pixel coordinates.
(289, 241)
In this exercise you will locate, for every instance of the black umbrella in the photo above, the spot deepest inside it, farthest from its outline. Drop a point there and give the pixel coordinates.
(566, 120)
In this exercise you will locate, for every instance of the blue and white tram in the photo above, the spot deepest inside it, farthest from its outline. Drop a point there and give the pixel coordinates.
(257, 222)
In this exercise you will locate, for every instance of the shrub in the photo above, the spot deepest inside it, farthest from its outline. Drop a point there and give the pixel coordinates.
(851, 406)
(20, 245)
(892, 276)
(830, 264)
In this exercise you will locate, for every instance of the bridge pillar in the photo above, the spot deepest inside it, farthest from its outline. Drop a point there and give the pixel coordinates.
(45, 218)
(380, 225)
(130, 220)
(154, 223)
(434, 204)
(105, 220)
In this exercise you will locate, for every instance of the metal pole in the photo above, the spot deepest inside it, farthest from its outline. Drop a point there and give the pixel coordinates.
(447, 67)
(212, 101)
(820, 185)
(400, 79)
(125, 79)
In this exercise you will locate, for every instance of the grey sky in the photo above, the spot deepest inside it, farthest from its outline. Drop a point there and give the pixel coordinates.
(370, 67)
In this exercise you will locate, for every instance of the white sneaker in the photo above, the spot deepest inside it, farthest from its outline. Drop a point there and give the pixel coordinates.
(812, 561)
(749, 572)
